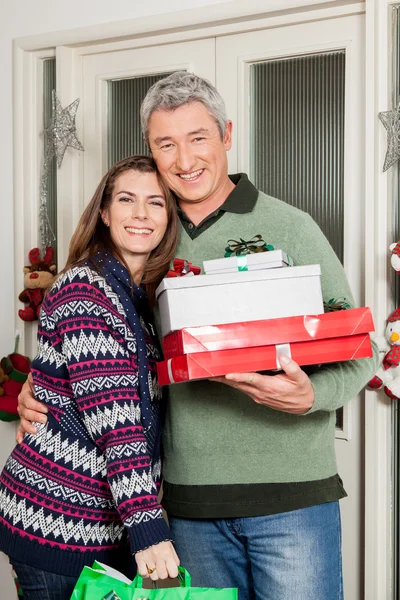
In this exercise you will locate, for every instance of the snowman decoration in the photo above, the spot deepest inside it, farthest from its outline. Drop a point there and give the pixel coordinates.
(395, 256)
(388, 375)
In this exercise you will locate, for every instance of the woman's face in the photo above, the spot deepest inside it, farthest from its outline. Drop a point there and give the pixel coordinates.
(137, 215)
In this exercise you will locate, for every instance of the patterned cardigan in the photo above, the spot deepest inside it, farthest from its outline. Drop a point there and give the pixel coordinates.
(85, 487)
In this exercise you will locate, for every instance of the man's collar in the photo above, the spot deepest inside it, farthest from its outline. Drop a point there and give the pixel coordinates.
(242, 198)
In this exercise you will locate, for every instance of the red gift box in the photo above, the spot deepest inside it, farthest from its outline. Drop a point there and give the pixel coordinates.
(272, 331)
(201, 365)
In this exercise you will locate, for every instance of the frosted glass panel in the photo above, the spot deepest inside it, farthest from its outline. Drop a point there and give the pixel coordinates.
(49, 84)
(297, 135)
(124, 132)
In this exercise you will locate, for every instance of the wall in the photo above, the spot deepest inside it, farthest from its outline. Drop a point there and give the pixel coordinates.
(33, 18)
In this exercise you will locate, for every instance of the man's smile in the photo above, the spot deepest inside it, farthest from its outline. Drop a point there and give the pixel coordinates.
(191, 176)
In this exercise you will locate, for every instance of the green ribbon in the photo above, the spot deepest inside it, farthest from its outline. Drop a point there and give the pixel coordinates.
(242, 263)
(335, 304)
(242, 247)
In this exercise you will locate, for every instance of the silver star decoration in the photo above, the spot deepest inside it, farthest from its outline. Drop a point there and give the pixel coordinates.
(391, 121)
(61, 132)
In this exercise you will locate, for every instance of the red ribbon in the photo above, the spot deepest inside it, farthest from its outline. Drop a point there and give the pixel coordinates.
(183, 267)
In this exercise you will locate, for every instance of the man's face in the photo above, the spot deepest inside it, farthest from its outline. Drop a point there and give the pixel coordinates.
(190, 154)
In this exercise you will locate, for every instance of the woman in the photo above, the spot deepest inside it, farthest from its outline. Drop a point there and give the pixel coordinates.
(85, 487)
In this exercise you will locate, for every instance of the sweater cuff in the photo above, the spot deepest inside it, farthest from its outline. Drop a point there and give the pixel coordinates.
(148, 533)
(324, 385)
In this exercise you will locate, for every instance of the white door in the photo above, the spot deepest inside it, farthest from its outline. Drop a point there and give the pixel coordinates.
(91, 69)
(235, 55)
(100, 68)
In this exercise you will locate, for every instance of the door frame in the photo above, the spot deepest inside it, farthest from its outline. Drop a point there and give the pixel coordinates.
(213, 21)
(379, 567)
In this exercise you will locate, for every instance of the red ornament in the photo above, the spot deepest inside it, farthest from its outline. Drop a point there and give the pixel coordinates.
(183, 267)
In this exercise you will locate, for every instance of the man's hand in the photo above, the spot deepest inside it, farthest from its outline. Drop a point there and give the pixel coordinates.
(290, 392)
(29, 410)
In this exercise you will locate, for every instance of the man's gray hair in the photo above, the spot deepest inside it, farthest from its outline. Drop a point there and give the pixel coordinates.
(178, 89)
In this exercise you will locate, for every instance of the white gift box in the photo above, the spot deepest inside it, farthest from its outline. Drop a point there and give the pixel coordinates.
(248, 262)
(235, 297)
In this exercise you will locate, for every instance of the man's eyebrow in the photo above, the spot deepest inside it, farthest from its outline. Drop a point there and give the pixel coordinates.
(160, 140)
(197, 131)
(168, 138)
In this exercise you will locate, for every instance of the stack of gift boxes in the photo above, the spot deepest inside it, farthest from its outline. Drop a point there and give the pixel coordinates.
(246, 312)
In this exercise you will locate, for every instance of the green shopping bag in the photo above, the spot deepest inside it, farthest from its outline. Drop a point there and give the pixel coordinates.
(103, 583)
(101, 579)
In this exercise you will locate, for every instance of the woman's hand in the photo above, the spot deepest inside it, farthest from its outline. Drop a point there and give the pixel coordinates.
(158, 562)
(29, 410)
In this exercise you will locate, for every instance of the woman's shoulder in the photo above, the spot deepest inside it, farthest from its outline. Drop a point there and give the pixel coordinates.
(79, 277)
(84, 283)
(81, 274)
(79, 290)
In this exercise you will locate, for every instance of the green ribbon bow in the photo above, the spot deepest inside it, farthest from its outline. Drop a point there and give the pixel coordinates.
(336, 304)
(241, 247)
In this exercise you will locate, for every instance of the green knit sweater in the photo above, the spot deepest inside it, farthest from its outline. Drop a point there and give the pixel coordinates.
(217, 436)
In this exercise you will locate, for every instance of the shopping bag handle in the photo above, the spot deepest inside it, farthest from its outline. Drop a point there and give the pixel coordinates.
(184, 578)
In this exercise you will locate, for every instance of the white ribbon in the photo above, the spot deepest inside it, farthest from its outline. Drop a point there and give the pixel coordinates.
(282, 350)
(169, 368)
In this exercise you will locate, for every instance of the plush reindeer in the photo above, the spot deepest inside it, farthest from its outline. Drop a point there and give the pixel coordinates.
(38, 277)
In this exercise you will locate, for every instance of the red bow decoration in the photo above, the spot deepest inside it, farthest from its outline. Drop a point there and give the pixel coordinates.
(183, 267)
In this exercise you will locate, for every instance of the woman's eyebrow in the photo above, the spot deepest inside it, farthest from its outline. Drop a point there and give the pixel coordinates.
(124, 192)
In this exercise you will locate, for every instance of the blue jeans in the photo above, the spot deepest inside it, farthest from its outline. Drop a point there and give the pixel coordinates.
(294, 555)
(43, 585)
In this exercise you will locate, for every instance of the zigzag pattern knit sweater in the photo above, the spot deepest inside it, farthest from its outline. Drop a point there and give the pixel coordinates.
(88, 481)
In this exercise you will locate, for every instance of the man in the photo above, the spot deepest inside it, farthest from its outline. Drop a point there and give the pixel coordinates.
(250, 479)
